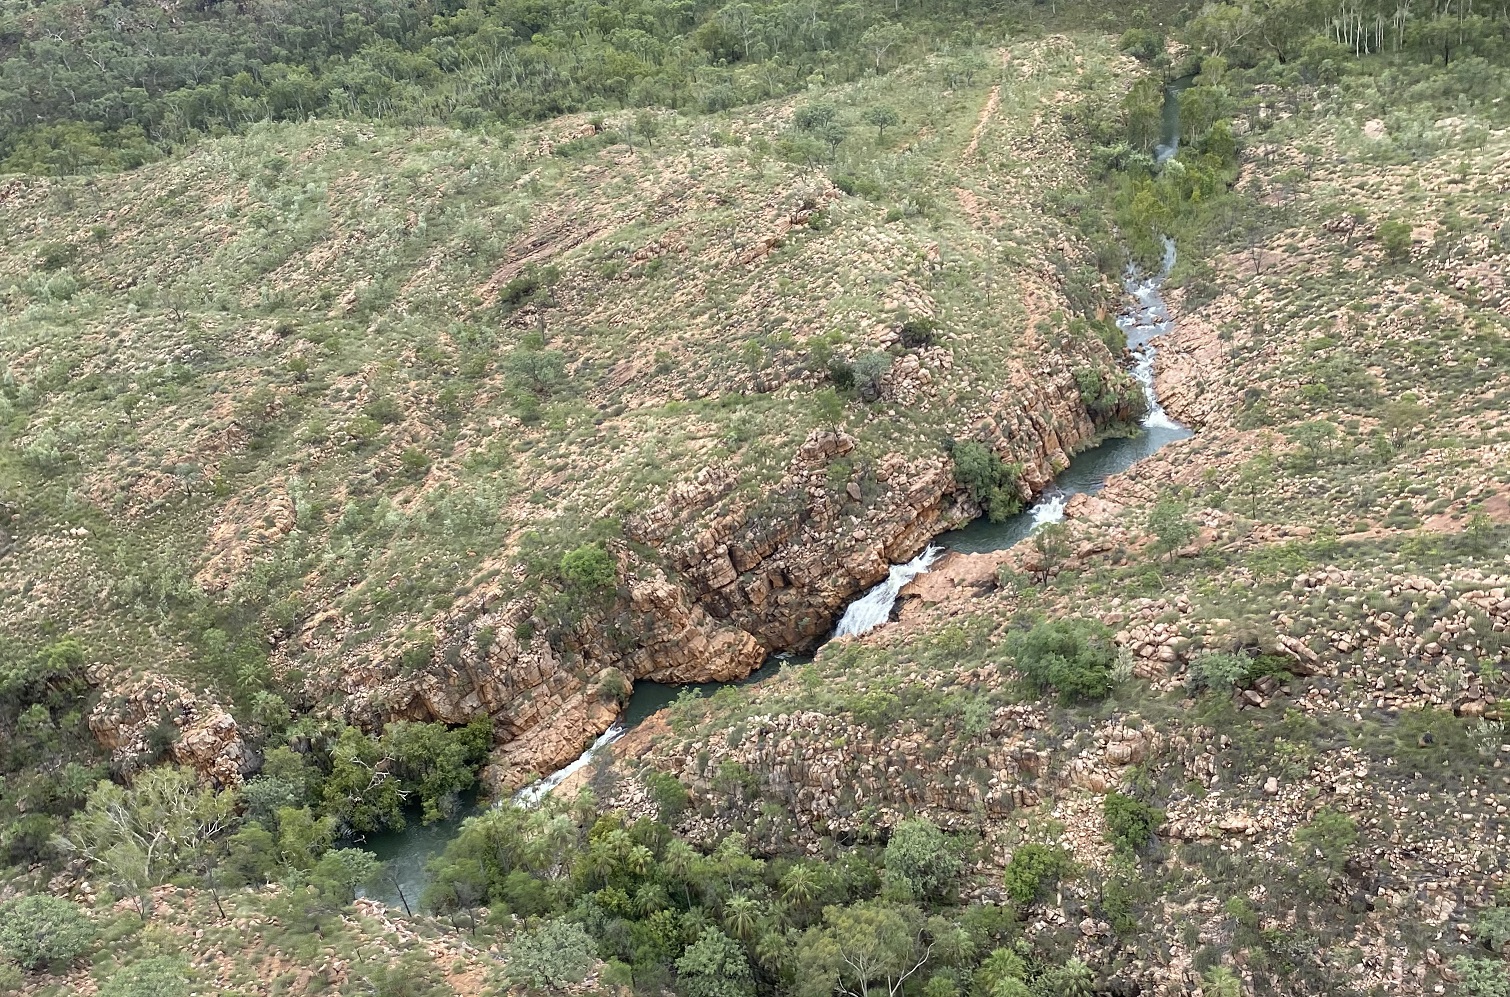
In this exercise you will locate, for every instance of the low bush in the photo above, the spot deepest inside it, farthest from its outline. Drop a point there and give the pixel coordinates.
(1219, 671)
(39, 931)
(1034, 869)
(1073, 657)
(1130, 823)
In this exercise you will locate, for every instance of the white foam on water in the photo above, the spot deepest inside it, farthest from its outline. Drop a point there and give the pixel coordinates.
(874, 607)
(1149, 319)
(1049, 508)
(537, 791)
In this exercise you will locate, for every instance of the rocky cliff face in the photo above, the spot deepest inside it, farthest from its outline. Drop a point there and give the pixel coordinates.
(737, 585)
(138, 722)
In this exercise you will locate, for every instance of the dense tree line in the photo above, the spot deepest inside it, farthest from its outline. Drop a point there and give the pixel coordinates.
(94, 84)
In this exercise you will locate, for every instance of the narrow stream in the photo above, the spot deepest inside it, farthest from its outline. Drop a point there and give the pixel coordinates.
(409, 850)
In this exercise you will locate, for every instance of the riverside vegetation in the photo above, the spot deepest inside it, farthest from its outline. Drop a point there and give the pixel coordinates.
(389, 388)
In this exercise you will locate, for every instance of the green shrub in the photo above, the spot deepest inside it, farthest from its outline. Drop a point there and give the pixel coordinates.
(1074, 657)
(842, 373)
(1492, 927)
(11, 978)
(40, 930)
(1219, 671)
(918, 332)
(921, 856)
(1326, 839)
(1033, 869)
(156, 976)
(588, 570)
(869, 369)
(1130, 823)
(991, 482)
(1481, 977)
(552, 955)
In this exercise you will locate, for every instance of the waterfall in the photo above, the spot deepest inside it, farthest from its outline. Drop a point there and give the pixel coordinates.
(874, 607)
(537, 791)
(1049, 508)
(1149, 318)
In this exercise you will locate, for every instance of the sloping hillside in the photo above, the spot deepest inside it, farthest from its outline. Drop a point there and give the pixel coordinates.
(438, 425)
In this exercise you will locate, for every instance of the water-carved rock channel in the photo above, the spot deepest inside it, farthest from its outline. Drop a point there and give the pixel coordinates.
(1146, 318)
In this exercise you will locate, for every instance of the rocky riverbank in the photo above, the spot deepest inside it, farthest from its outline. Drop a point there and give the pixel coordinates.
(739, 586)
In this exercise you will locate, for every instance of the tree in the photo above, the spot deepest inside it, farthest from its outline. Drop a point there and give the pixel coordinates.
(741, 913)
(361, 792)
(714, 966)
(539, 371)
(302, 836)
(799, 885)
(1394, 236)
(1254, 478)
(154, 976)
(143, 835)
(589, 570)
(342, 871)
(920, 855)
(1073, 979)
(1033, 869)
(829, 408)
(1051, 545)
(833, 135)
(882, 117)
(437, 761)
(1222, 982)
(1130, 823)
(870, 948)
(39, 931)
(880, 39)
(670, 796)
(1073, 656)
(811, 117)
(551, 955)
(998, 971)
(870, 368)
(991, 482)
(1171, 529)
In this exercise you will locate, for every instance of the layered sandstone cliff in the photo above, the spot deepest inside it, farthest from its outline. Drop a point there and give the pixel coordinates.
(730, 588)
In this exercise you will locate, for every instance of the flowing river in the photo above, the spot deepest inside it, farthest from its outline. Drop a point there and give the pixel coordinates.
(1147, 318)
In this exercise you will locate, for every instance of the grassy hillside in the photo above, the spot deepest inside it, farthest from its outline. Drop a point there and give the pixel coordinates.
(387, 388)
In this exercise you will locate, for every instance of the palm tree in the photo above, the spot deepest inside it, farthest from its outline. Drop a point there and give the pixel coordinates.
(740, 915)
(650, 898)
(639, 860)
(677, 862)
(799, 885)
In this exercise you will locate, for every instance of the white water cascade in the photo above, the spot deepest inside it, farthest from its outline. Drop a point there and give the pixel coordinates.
(1149, 318)
(1049, 508)
(874, 607)
(537, 791)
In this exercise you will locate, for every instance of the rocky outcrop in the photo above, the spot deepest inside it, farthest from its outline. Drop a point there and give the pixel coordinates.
(140, 721)
(738, 585)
